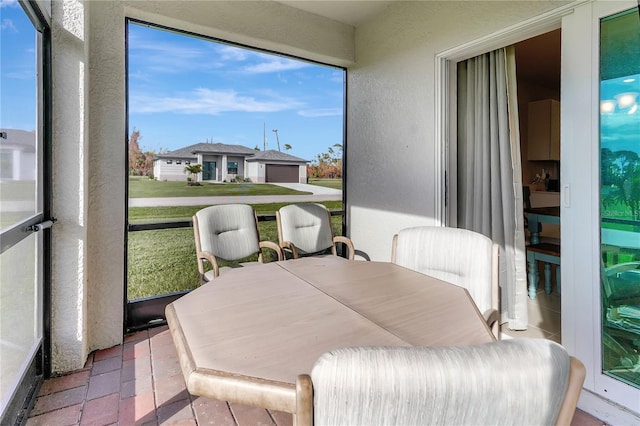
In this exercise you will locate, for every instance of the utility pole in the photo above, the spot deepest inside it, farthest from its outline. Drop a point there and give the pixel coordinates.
(264, 136)
(277, 139)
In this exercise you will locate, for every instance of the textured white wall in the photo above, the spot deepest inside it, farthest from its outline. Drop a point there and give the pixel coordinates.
(391, 155)
(89, 135)
(69, 275)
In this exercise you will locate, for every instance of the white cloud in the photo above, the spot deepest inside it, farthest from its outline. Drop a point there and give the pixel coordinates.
(274, 64)
(211, 102)
(320, 112)
(8, 3)
(7, 24)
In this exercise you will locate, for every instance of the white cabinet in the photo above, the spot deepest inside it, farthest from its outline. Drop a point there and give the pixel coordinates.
(543, 142)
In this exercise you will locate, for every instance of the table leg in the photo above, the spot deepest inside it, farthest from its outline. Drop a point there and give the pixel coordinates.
(533, 275)
(534, 228)
(547, 278)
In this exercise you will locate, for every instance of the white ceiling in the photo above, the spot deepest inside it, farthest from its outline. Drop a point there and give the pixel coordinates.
(351, 12)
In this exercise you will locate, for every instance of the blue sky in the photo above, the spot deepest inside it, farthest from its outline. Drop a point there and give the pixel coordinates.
(18, 71)
(185, 90)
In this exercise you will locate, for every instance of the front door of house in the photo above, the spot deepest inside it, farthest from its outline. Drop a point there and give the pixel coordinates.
(209, 170)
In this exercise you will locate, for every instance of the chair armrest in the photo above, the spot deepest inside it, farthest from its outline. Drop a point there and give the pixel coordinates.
(288, 245)
(346, 241)
(492, 317)
(577, 374)
(304, 401)
(273, 246)
(209, 257)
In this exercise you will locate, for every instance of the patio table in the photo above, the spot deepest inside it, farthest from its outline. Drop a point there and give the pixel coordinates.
(247, 335)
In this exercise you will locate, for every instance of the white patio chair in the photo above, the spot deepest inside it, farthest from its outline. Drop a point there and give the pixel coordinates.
(227, 232)
(517, 382)
(459, 256)
(305, 229)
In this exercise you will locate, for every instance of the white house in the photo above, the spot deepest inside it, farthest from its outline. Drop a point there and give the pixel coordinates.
(222, 163)
(17, 154)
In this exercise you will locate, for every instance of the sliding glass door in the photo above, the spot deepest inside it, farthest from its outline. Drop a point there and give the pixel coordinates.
(620, 195)
(23, 207)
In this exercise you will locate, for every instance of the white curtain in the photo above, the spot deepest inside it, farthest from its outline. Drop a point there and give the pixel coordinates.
(489, 170)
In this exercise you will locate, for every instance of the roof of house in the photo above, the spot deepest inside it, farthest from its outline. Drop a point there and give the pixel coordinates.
(273, 155)
(189, 152)
(207, 148)
(21, 140)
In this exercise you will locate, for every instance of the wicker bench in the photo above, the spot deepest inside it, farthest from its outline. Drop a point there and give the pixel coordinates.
(549, 254)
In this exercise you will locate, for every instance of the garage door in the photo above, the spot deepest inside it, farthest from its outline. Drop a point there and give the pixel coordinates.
(281, 173)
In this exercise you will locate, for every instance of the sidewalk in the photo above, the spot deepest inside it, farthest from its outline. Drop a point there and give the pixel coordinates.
(320, 193)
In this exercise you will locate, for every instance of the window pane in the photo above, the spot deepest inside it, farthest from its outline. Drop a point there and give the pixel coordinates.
(20, 330)
(18, 160)
(620, 195)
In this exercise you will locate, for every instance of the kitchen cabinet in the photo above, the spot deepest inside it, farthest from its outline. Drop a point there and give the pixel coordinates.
(544, 130)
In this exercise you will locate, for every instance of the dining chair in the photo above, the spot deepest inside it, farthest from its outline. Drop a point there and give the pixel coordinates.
(305, 229)
(514, 381)
(459, 256)
(227, 232)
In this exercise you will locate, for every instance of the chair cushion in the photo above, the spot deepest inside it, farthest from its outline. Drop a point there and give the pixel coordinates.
(307, 226)
(519, 381)
(228, 231)
(458, 256)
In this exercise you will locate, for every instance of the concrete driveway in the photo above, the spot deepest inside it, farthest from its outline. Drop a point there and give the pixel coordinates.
(320, 193)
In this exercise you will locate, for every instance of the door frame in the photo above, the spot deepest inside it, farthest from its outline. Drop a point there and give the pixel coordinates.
(38, 367)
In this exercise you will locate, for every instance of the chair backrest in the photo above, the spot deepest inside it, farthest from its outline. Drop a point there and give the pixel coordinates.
(459, 256)
(307, 226)
(228, 231)
(519, 381)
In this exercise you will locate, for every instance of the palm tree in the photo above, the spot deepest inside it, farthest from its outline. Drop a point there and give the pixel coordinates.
(193, 170)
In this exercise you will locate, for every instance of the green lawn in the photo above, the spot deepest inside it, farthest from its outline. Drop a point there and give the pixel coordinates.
(329, 183)
(148, 188)
(164, 261)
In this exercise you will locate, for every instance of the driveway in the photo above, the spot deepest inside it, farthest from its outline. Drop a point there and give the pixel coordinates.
(320, 193)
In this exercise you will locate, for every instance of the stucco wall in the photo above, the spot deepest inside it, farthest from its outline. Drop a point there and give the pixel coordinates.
(89, 133)
(391, 151)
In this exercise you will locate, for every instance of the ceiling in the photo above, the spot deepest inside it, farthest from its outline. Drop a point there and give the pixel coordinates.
(538, 58)
(350, 12)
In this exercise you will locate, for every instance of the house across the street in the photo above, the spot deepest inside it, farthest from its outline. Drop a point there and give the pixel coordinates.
(222, 163)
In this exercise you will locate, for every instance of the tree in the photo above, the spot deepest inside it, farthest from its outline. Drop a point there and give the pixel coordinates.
(327, 164)
(140, 163)
(287, 147)
(193, 170)
(620, 177)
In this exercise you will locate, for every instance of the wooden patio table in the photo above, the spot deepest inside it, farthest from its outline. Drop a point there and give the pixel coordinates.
(247, 335)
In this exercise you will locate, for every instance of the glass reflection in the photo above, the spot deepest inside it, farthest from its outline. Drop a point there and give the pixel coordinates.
(620, 196)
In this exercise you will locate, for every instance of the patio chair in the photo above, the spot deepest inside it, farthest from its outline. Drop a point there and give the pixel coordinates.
(305, 230)
(518, 381)
(227, 232)
(459, 256)
(621, 318)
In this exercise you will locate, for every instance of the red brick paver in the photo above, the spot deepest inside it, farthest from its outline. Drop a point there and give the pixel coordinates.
(140, 383)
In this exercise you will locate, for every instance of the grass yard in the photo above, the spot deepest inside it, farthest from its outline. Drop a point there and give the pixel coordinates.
(164, 261)
(149, 188)
(329, 183)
